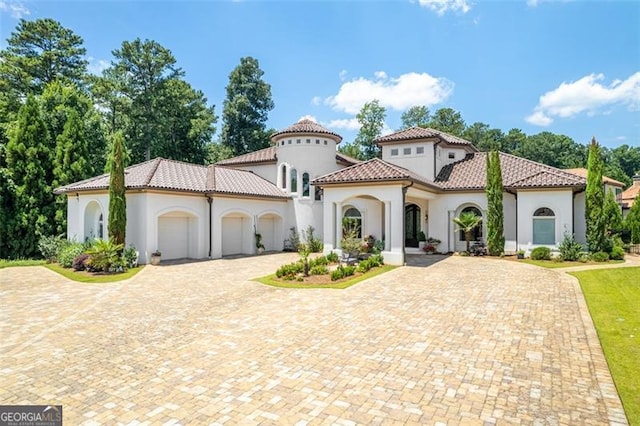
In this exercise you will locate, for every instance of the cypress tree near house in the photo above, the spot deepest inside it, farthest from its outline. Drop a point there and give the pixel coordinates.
(117, 196)
(495, 210)
(594, 201)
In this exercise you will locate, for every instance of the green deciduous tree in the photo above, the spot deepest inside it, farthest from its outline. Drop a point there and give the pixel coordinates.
(416, 116)
(632, 221)
(29, 160)
(594, 200)
(612, 214)
(117, 190)
(554, 150)
(448, 120)
(7, 212)
(495, 209)
(467, 222)
(371, 118)
(246, 108)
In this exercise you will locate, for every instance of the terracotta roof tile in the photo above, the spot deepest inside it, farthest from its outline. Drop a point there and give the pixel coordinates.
(374, 170)
(582, 172)
(630, 195)
(306, 126)
(470, 173)
(266, 155)
(422, 133)
(162, 174)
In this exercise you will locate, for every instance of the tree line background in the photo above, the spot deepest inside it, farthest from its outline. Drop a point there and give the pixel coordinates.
(57, 122)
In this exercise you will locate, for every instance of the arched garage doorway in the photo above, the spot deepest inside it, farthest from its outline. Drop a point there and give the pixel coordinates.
(177, 235)
(270, 227)
(237, 234)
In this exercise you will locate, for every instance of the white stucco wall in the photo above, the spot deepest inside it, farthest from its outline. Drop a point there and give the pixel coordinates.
(419, 163)
(442, 156)
(560, 201)
(579, 222)
(444, 208)
(267, 171)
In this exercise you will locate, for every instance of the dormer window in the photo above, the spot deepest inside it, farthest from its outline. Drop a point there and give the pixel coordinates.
(406, 151)
(308, 140)
(297, 140)
(452, 156)
(317, 141)
(394, 152)
(420, 150)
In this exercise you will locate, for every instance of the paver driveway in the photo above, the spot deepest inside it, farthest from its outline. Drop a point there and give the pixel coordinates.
(464, 341)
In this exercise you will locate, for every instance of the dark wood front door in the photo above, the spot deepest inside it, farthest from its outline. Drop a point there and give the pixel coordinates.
(411, 225)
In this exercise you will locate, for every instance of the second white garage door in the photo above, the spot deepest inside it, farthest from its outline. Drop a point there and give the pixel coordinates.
(173, 237)
(231, 235)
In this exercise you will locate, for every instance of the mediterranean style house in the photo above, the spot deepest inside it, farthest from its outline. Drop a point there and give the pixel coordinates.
(424, 179)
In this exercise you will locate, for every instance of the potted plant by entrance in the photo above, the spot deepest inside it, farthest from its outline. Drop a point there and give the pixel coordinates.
(155, 257)
(422, 240)
(520, 254)
(259, 245)
(433, 242)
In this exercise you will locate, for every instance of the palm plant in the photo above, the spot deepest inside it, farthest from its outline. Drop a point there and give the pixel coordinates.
(467, 222)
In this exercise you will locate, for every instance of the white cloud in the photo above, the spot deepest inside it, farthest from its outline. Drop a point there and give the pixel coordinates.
(308, 117)
(532, 3)
(395, 93)
(443, 6)
(586, 95)
(621, 138)
(16, 9)
(316, 100)
(344, 123)
(343, 75)
(96, 66)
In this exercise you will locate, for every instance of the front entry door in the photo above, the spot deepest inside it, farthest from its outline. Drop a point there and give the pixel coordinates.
(411, 225)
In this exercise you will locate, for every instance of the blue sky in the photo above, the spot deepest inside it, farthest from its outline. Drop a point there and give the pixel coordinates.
(570, 67)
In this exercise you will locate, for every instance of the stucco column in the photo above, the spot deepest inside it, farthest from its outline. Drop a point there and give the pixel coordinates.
(387, 225)
(338, 225)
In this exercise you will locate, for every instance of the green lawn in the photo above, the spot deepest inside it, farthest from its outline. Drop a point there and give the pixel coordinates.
(272, 281)
(87, 278)
(551, 264)
(613, 297)
(5, 263)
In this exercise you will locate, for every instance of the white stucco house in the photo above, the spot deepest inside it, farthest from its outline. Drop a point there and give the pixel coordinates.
(424, 179)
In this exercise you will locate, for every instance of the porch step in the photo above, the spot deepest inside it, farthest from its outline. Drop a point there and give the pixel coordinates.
(413, 250)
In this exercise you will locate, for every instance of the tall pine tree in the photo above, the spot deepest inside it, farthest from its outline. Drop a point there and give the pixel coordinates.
(495, 210)
(612, 214)
(117, 190)
(594, 202)
(29, 160)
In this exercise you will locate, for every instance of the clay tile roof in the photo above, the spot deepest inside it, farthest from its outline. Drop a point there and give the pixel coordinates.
(162, 174)
(630, 195)
(266, 155)
(374, 170)
(306, 126)
(582, 172)
(422, 133)
(517, 172)
(240, 182)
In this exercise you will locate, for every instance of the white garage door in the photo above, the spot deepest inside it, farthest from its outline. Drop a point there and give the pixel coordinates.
(266, 226)
(231, 235)
(173, 237)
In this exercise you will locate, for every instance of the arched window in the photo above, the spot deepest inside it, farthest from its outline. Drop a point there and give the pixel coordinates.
(305, 184)
(352, 222)
(294, 180)
(476, 234)
(283, 176)
(100, 226)
(544, 226)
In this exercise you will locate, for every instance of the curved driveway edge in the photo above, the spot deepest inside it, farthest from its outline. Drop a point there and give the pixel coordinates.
(464, 341)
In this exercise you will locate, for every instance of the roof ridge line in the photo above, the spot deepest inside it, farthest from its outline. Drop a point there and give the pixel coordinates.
(153, 170)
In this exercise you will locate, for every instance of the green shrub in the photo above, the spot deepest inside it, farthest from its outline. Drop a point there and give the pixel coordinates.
(570, 249)
(105, 255)
(69, 252)
(364, 266)
(377, 260)
(600, 256)
(130, 256)
(289, 271)
(378, 246)
(541, 253)
(342, 272)
(332, 257)
(318, 261)
(617, 253)
(584, 257)
(315, 244)
(319, 270)
(50, 247)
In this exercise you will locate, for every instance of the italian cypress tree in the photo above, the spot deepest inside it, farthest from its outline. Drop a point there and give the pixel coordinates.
(594, 202)
(632, 221)
(612, 214)
(29, 164)
(117, 197)
(495, 210)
